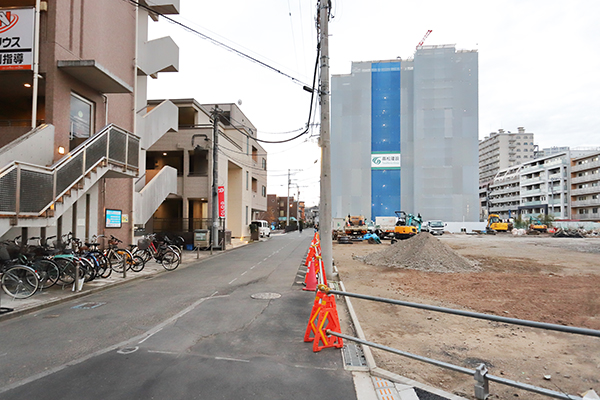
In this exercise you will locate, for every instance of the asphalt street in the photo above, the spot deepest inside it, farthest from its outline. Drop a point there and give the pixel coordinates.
(228, 327)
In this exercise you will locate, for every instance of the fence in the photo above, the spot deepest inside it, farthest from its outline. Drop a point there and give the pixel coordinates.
(480, 374)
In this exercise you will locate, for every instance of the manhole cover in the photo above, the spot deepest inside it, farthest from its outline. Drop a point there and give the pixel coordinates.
(266, 296)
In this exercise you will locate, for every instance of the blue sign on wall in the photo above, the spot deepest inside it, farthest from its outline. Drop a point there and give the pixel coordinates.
(113, 218)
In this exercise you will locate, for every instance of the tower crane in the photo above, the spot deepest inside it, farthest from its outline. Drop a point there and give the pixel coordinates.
(423, 40)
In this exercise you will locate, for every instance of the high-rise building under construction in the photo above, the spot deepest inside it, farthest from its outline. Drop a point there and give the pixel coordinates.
(404, 136)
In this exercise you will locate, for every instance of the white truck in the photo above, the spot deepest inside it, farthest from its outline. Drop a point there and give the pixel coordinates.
(385, 226)
(435, 227)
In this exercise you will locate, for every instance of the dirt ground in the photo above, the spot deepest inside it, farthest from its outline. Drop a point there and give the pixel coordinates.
(539, 278)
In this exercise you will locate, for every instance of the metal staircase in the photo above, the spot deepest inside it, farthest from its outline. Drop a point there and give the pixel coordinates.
(33, 195)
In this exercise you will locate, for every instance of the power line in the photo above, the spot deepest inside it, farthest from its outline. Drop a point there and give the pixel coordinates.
(219, 43)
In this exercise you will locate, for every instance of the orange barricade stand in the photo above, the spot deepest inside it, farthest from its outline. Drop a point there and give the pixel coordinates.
(324, 316)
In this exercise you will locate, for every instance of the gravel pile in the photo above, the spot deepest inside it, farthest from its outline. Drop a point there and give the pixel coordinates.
(423, 252)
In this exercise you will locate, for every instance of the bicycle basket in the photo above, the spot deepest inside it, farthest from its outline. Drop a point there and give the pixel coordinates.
(143, 244)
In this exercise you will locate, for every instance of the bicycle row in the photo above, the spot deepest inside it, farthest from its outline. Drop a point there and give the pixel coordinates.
(26, 268)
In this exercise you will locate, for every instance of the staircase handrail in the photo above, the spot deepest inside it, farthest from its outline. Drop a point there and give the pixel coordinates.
(111, 144)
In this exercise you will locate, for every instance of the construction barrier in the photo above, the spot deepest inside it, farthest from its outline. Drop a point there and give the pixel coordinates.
(323, 318)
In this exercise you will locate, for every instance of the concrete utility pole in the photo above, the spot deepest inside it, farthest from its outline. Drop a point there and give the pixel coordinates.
(215, 183)
(325, 141)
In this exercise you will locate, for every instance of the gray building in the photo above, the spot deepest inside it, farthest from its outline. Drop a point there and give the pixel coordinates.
(405, 136)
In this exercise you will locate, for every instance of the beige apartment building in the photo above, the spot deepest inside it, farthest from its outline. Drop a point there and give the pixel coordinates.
(241, 169)
(501, 150)
(71, 141)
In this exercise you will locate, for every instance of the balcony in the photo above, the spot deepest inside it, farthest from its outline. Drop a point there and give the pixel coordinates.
(586, 178)
(583, 167)
(585, 203)
(587, 190)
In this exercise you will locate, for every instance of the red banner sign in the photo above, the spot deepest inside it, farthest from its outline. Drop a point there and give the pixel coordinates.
(221, 193)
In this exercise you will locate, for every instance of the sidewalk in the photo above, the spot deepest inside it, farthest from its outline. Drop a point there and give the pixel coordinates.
(59, 293)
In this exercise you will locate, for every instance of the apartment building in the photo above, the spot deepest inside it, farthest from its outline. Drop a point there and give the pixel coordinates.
(70, 138)
(503, 194)
(585, 187)
(188, 152)
(501, 150)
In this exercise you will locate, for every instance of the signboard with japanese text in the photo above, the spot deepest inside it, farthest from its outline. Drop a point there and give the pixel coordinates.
(113, 218)
(385, 160)
(16, 38)
(221, 194)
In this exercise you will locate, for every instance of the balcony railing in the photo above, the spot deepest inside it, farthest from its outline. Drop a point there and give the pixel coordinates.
(30, 190)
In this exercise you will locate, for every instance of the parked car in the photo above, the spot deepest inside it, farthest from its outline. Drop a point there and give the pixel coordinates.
(435, 227)
(263, 228)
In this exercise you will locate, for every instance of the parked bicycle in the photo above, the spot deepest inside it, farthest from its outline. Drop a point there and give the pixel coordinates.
(167, 255)
(18, 281)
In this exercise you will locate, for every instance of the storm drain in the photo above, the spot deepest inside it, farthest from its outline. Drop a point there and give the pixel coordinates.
(353, 355)
(89, 305)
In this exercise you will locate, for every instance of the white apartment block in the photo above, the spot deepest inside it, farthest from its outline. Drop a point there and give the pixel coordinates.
(585, 187)
(544, 186)
(504, 194)
(503, 149)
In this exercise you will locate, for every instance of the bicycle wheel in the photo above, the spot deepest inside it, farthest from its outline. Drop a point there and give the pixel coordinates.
(137, 263)
(145, 254)
(86, 270)
(67, 270)
(127, 256)
(48, 272)
(116, 260)
(170, 260)
(20, 281)
(104, 268)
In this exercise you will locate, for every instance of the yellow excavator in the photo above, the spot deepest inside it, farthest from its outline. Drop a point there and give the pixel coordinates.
(496, 224)
(404, 228)
(536, 225)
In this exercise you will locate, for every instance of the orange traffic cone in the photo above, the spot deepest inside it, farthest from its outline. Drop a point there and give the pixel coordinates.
(311, 277)
(327, 320)
(311, 254)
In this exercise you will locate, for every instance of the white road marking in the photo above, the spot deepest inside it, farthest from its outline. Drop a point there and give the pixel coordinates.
(162, 352)
(233, 281)
(244, 273)
(106, 350)
(231, 359)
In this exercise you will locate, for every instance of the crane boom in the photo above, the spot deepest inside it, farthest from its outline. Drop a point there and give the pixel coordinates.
(423, 40)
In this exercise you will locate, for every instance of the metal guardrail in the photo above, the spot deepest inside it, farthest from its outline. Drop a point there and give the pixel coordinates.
(480, 374)
(30, 190)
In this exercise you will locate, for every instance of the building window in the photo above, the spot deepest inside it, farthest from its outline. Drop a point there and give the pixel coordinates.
(246, 215)
(264, 191)
(81, 119)
(595, 210)
(264, 164)
(247, 180)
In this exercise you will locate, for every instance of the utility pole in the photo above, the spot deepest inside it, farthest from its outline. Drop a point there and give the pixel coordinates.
(288, 203)
(325, 142)
(215, 183)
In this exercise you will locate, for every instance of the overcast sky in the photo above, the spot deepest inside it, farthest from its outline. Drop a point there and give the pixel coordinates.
(539, 64)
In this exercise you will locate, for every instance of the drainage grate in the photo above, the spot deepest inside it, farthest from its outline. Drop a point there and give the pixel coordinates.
(353, 355)
(89, 305)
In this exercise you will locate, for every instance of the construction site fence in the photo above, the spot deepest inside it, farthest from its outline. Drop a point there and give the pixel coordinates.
(480, 374)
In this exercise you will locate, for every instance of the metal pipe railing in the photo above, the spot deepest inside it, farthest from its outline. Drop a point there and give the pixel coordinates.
(496, 318)
(480, 374)
(473, 372)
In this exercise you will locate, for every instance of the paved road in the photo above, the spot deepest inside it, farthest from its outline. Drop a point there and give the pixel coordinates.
(195, 333)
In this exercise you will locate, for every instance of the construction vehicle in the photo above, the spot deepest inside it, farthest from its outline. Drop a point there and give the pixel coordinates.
(385, 227)
(496, 224)
(535, 225)
(356, 226)
(405, 227)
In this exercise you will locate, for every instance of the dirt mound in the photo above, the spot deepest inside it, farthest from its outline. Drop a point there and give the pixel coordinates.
(422, 252)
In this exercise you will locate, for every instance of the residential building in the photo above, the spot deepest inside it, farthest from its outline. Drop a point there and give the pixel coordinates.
(501, 150)
(404, 136)
(504, 194)
(585, 187)
(72, 114)
(241, 169)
